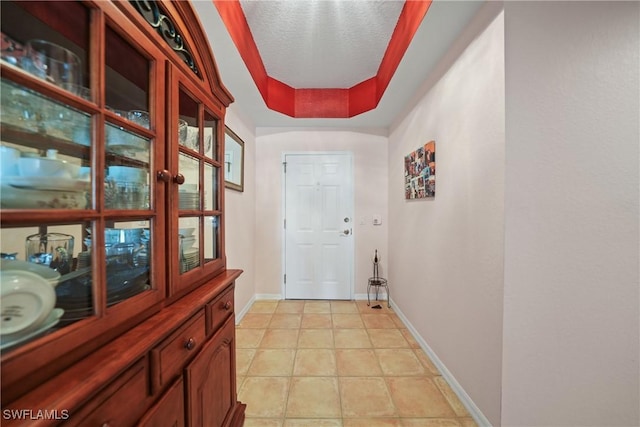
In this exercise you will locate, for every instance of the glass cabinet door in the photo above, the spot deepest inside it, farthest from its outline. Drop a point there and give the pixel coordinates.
(198, 233)
(77, 150)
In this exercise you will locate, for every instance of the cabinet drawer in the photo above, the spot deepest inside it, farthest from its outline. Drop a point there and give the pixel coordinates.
(122, 403)
(174, 352)
(219, 310)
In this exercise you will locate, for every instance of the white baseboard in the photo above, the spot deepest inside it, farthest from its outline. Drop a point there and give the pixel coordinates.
(473, 410)
(245, 309)
(268, 296)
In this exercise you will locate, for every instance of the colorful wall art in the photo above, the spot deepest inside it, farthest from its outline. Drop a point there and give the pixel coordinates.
(420, 172)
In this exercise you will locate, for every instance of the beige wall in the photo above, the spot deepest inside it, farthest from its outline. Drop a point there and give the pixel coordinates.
(240, 213)
(369, 150)
(571, 314)
(446, 264)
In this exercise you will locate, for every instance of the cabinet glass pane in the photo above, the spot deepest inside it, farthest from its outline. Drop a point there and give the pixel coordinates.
(127, 76)
(211, 238)
(211, 174)
(45, 155)
(189, 192)
(48, 40)
(128, 260)
(210, 136)
(188, 127)
(189, 244)
(127, 174)
(47, 280)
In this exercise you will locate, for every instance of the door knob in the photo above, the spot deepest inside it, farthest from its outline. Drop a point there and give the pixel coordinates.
(346, 232)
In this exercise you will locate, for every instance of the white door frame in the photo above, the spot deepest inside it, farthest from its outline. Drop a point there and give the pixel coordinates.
(283, 190)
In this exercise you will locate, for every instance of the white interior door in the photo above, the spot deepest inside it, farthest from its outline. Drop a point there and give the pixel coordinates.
(318, 226)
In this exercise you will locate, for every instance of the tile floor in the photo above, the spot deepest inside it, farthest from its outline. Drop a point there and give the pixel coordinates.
(338, 363)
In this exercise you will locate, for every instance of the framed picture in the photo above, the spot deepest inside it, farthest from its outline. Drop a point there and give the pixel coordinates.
(420, 172)
(233, 161)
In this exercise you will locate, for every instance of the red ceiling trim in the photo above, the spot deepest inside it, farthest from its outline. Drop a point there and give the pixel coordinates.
(322, 103)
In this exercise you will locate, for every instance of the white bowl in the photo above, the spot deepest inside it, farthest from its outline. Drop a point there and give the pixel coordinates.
(26, 301)
(127, 174)
(186, 232)
(9, 158)
(45, 167)
(49, 274)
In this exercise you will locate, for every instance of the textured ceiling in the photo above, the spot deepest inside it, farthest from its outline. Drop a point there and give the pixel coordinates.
(438, 31)
(322, 44)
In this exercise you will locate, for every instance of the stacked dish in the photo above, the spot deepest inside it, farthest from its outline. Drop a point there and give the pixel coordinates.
(27, 301)
(189, 256)
(189, 198)
(126, 188)
(40, 182)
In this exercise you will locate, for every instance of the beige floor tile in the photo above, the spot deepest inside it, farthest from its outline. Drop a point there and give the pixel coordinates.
(430, 422)
(424, 359)
(280, 338)
(316, 362)
(378, 321)
(262, 422)
(272, 362)
(239, 381)
(249, 338)
(264, 396)
(396, 319)
(290, 307)
(285, 321)
(317, 307)
(315, 338)
(372, 422)
(399, 361)
(468, 422)
(263, 307)
(316, 320)
(410, 339)
(244, 356)
(365, 397)
(313, 397)
(418, 397)
(344, 307)
(351, 338)
(451, 397)
(387, 338)
(357, 363)
(364, 308)
(347, 321)
(255, 320)
(310, 422)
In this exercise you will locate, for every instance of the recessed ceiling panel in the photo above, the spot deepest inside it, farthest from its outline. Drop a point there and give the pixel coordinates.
(322, 43)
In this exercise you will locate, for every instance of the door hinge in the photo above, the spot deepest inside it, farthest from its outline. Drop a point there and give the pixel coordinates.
(285, 279)
(284, 164)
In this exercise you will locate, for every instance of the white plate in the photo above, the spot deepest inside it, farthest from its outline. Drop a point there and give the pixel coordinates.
(54, 183)
(26, 301)
(49, 274)
(52, 320)
(25, 198)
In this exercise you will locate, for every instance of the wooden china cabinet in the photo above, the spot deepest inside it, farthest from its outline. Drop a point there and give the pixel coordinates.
(111, 145)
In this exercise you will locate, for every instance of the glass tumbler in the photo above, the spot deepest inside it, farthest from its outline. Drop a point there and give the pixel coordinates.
(54, 250)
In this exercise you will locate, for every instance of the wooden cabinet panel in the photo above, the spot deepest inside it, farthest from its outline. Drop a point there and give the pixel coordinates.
(219, 310)
(170, 357)
(210, 380)
(122, 403)
(169, 411)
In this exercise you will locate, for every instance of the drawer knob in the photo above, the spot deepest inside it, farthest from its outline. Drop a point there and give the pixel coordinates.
(227, 305)
(106, 425)
(190, 344)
